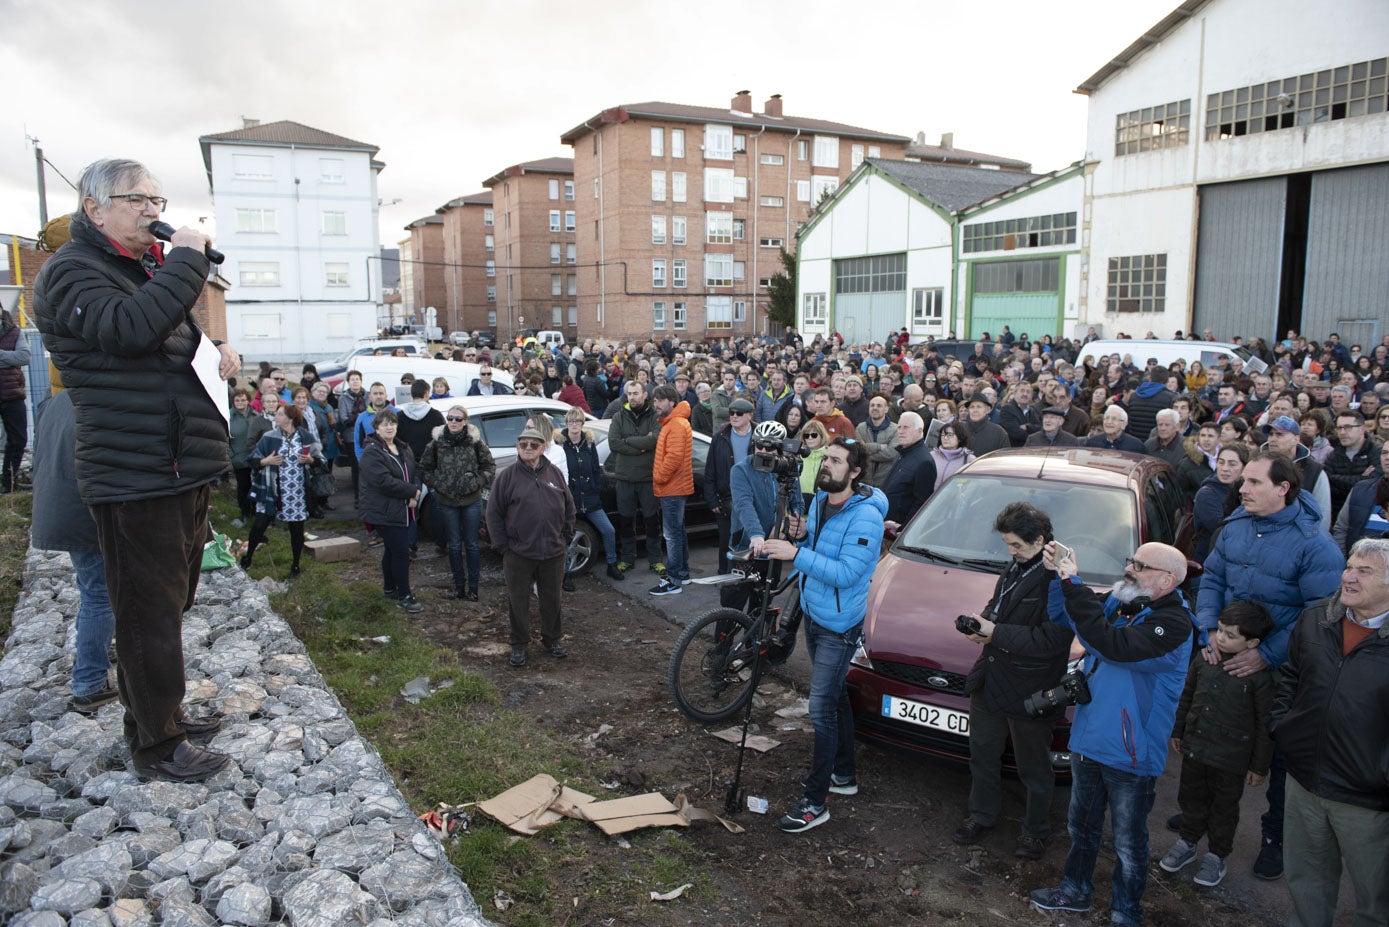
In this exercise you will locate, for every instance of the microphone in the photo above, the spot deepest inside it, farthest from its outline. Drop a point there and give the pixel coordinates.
(164, 231)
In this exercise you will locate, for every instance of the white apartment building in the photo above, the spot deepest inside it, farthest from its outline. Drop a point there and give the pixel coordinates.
(296, 212)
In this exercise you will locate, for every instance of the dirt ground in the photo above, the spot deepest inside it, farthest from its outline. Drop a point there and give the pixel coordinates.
(885, 854)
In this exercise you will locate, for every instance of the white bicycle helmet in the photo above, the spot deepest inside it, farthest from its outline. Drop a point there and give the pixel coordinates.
(769, 431)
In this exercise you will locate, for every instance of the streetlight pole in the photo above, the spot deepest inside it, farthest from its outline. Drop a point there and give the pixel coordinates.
(43, 193)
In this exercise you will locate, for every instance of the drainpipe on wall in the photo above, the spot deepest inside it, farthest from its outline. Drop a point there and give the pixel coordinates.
(756, 202)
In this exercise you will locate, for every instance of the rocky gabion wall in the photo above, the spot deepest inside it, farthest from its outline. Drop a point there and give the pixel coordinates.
(304, 827)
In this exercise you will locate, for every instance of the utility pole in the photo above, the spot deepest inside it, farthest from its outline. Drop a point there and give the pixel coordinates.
(43, 193)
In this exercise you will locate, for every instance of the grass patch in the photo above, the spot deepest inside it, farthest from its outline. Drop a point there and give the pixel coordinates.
(16, 509)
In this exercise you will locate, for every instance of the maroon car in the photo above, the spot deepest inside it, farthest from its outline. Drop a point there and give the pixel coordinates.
(906, 682)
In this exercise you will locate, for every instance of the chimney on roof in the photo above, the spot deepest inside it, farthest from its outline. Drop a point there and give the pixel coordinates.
(920, 138)
(742, 102)
(947, 140)
(248, 123)
(773, 106)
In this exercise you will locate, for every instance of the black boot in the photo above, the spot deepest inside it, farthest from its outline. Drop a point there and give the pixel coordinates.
(472, 594)
(245, 561)
(459, 593)
(568, 584)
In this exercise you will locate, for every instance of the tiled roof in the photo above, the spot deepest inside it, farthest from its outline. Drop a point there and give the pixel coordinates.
(942, 155)
(425, 220)
(286, 132)
(472, 199)
(540, 166)
(1184, 11)
(725, 116)
(281, 134)
(950, 186)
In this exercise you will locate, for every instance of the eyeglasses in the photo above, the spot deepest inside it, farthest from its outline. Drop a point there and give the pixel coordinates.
(529, 444)
(138, 200)
(278, 379)
(457, 418)
(1140, 567)
(739, 412)
(485, 373)
(1349, 427)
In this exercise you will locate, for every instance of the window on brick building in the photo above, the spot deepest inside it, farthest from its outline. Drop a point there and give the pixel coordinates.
(677, 186)
(718, 228)
(803, 191)
(571, 284)
(658, 185)
(740, 311)
(573, 316)
(658, 315)
(802, 149)
(677, 143)
(491, 294)
(556, 316)
(770, 242)
(718, 270)
(489, 243)
(569, 190)
(488, 218)
(740, 144)
(554, 252)
(718, 185)
(740, 270)
(570, 254)
(658, 143)
(658, 230)
(740, 229)
(826, 151)
(677, 273)
(718, 312)
(554, 189)
(855, 156)
(569, 220)
(772, 159)
(772, 201)
(678, 316)
(740, 188)
(718, 143)
(658, 274)
(677, 230)
(821, 186)
(556, 285)
(554, 220)
(491, 268)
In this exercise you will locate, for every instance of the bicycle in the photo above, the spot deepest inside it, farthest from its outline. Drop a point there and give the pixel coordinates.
(719, 658)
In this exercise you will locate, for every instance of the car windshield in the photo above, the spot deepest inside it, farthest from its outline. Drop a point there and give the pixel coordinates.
(956, 524)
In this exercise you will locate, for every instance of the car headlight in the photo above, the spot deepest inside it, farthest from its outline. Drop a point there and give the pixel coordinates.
(860, 657)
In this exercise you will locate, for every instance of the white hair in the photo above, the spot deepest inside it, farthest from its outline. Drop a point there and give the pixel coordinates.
(911, 420)
(1167, 415)
(1117, 413)
(1373, 547)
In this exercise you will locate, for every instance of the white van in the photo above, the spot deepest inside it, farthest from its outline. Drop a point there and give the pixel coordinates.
(388, 370)
(1166, 351)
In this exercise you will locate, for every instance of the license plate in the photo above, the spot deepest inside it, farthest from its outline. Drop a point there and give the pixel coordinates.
(942, 719)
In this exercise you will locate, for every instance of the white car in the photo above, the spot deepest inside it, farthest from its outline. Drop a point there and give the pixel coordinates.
(336, 366)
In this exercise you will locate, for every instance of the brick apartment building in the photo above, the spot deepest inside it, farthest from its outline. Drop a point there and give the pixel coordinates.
(683, 210)
(427, 272)
(534, 262)
(470, 295)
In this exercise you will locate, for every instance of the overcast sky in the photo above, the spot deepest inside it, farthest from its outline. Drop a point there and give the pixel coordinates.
(453, 92)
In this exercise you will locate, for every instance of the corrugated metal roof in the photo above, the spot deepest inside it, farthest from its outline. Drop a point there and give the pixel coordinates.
(1186, 10)
(724, 116)
(951, 186)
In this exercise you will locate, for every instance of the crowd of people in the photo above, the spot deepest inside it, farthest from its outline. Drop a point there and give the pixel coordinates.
(1269, 668)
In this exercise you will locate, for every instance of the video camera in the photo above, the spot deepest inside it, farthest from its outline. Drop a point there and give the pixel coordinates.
(782, 458)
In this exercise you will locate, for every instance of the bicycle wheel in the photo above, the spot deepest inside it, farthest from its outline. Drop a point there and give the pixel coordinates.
(714, 667)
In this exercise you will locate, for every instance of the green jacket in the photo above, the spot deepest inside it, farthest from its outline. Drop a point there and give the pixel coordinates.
(457, 467)
(632, 443)
(1223, 720)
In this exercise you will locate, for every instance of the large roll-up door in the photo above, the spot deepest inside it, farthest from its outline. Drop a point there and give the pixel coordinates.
(1239, 257)
(1347, 231)
(1023, 294)
(870, 297)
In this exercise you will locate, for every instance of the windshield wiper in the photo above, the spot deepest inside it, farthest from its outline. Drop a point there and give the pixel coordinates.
(927, 552)
(984, 563)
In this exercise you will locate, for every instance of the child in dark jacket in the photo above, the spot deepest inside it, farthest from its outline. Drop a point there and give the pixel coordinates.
(1222, 733)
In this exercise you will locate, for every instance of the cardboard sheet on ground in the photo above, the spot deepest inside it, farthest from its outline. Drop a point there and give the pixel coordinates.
(734, 735)
(541, 801)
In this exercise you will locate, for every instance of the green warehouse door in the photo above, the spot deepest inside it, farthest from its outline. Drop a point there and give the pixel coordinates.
(1024, 295)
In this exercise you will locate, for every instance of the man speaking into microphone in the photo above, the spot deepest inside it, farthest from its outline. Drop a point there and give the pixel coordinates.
(115, 310)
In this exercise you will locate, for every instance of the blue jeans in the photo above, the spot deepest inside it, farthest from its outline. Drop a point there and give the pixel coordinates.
(677, 544)
(600, 520)
(830, 714)
(95, 625)
(1096, 788)
(460, 525)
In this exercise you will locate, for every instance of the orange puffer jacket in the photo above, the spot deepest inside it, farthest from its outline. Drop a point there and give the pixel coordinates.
(672, 472)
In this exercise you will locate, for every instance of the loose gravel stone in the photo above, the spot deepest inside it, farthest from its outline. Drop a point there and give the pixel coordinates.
(305, 827)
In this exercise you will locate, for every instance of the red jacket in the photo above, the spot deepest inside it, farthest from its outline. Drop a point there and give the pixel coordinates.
(574, 395)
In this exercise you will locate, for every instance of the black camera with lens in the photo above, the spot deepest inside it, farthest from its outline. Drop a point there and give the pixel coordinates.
(967, 624)
(1072, 689)
(782, 458)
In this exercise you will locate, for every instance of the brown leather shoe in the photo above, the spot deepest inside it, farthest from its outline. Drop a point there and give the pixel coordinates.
(188, 764)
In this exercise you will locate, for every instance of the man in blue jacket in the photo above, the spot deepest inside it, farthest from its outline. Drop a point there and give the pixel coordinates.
(1272, 550)
(835, 552)
(1138, 643)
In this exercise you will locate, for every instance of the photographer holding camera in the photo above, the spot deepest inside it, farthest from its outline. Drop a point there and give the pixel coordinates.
(1023, 652)
(1138, 645)
(835, 552)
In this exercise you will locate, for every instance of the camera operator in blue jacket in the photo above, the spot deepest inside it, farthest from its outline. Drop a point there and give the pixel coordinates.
(836, 550)
(1138, 646)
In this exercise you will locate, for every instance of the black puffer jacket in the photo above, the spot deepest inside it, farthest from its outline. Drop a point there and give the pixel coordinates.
(1331, 718)
(388, 483)
(457, 467)
(1027, 652)
(124, 340)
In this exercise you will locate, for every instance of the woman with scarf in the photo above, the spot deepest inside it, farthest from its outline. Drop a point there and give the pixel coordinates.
(282, 458)
(390, 493)
(952, 453)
